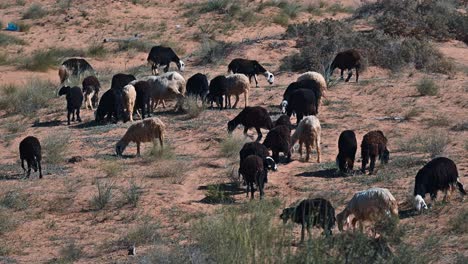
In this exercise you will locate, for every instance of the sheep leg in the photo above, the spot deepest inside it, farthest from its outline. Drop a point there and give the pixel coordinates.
(163, 103)
(317, 145)
(308, 151)
(365, 160)
(166, 69)
(22, 165)
(350, 73)
(259, 132)
(302, 230)
(252, 190)
(342, 70)
(372, 165)
(300, 149)
(68, 117)
(40, 169)
(138, 149)
(357, 74)
(256, 81)
(247, 189)
(237, 100)
(246, 98)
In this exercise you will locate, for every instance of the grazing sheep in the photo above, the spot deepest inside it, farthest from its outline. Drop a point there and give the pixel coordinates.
(310, 85)
(237, 84)
(118, 82)
(283, 120)
(317, 212)
(348, 60)
(347, 146)
(253, 171)
(308, 132)
(74, 97)
(217, 90)
(439, 174)
(278, 140)
(163, 56)
(147, 130)
(163, 89)
(250, 68)
(255, 148)
(91, 87)
(74, 67)
(197, 85)
(129, 98)
(256, 117)
(30, 150)
(302, 102)
(368, 205)
(106, 107)
(143, 96)
(374, 144)
(317, 78)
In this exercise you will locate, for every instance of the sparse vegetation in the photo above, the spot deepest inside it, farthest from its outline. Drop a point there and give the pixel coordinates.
(14, 199)
(42, 60)
(173, 170)
(459, 223)
(158, 153)
(97, 50)
(412, 113)
(112, 168)
(144, 234)
(427, 86)
(10, 40)
(103, 196)
(70, 253)
(137, 45)
(213, 52)
(55, 147)
(132, 194)
(35, 11)
(432, 142)
(231, 146)
(7, 223)
(215, 194)
(191, 107)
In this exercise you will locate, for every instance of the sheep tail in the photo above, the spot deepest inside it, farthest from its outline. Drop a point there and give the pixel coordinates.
(460, 187)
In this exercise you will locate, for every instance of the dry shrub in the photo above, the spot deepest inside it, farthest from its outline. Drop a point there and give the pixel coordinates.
(427, 86)
(55, 147)
(173, 170)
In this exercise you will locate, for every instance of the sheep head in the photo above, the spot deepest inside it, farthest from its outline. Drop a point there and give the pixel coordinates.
(231, 126)
(287, 214)
(120, 147)
(385, 156)
(419, 203)
(269, 76)
(64, 90)
(283, 105)
(271, 164)
(180, 65)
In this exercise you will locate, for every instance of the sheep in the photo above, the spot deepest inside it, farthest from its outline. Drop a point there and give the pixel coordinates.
(255, 148)
(255, 116)
(143, 95)
(91, 87)
(439, 174)
(118, 82)
(308, 132)
(147, 130)
(278, 140)
(74, 67)
(317, 78)
(197, 85)
(106, 107)
(163, 89)
(237, 84)
(348, 60)
(30, 150)
(250, 68)
(302, 102)
(129, 98)
(74, 97)
(347, 146)
(253, 171)
(374, 144)
(163, 56)
(283, 120)
(217, 89)
(311, 85)
(317, 212)
(368, 205)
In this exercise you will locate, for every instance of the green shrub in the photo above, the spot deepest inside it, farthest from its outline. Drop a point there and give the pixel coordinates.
(191, 107)
(433, 142)
(23, 27)
(9, 40)
(231, 146)
(97, 50)
(137, 45)
(144, 234)
(132, 194)
(427, 86)
(219, 6)
(112, 168)
(55, 147)
(281, 19)
(35, 11)
(103, 196)
(213, 52)
(215, 194)
(42, 60)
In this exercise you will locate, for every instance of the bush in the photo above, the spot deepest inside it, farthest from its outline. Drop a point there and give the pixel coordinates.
(35, 11)
(215, 194)
(231, 146)
(6, 222)
(28, 99)
(191, 107)
(112, 168)
(103, 196)
(213, 52)
(432, 142)
(458, 223)
(97, 50)
(146, 233)
(42, 60)
(137, 45)
(173, 170)
(14, 200)
(281, 19)
(427, 86)
(70, 253)
(55, 147)
(132, 194)
(219, 6)
(9, 40)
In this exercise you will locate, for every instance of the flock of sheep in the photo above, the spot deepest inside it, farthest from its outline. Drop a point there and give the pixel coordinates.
(128, 96)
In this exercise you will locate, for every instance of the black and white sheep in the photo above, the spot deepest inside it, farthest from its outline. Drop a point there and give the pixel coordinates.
(283, 120)
(317, 212)
(278, 140)
(347, 60)
(303, 102)
(30, 150)
(307, 84)
(347, 146)
(91, 87)
(255, 148)
(144, 131)
(217, 89)
(255, 116)
(439, 174)
(253, 171)
(197, 86)
(143, 96)
(373, 145)
(74, 67)
(163, 56)
(106, 107)
(74, 97)
(250, 68)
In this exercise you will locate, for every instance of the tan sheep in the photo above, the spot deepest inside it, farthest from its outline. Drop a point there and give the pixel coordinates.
(145, 131)
(368, 205)
(308, 132)
(163, 89)
(174, 76)
(315, 76)
(129, 97)
(236, 85)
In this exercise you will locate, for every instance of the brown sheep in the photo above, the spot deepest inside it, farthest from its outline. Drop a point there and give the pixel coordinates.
(145, 131)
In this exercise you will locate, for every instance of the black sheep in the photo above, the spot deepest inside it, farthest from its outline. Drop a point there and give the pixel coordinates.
(347, 146)
(142, 101)
(302, 102)
(374, 144)
(253, 171)
(30, 150)
(74, 67)
(250, 68)
(217, 89)
(91, 87)
(256, 117)
(163, 56)
(439, 174)
(283, 120)
(309, 213)
(348, 60)
(278, 140)
(118, 82)
(303, 84)
(74, 97)
(197, 85)
(255, 148)
(106, 107)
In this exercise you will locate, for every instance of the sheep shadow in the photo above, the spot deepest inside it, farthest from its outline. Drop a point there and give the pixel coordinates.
(221, 193)
(52, 123)
(12, 176)
(408, 213)
(326, 173)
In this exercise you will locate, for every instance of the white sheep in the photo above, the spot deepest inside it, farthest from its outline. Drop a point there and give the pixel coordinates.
(162, 88)
(308, 132)
(315, 76)
(368, 205)
(236, 85)
(147, 130)
(174, 76)
(129, 97)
